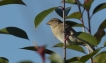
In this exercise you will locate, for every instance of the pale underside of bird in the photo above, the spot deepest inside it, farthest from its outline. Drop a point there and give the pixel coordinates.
(56, 26)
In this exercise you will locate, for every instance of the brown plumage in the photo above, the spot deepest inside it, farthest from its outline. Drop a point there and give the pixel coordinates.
(58, 31)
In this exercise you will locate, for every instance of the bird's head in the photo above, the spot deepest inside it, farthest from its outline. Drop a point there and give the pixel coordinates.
(54, 21)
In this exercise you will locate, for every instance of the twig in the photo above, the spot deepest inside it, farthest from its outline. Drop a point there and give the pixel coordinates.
(64, 30)
(89, 30)
(35, 45)
(81, 15)
(89, 24)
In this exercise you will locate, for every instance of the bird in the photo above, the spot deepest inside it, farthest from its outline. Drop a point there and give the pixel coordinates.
(58, 31)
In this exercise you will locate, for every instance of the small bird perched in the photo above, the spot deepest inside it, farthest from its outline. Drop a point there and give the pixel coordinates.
(58, 31)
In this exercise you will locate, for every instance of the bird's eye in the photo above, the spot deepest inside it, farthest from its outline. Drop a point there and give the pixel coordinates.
(52, 21)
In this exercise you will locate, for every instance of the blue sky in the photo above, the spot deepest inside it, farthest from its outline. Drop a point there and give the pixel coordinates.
(23, 17)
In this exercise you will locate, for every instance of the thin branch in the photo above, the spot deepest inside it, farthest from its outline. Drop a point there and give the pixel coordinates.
(83, 23)
(81, 15)
(89, 24)
(64, 30)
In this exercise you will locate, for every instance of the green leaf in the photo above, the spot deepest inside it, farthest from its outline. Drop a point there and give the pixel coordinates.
(25, 61)
(85, 37)
(4, 60)
(70, 1)
(73, 47)
(14, 31)
(99, 7)
(100, 33)
(39, 18)
(103, 25)
(76, 62)
(88, 4)
(73, 2)
(76, 15)
(59, 11)
(5, 2)
(100, 58)
(32, 48)
(88, 56)
(73, 24)
(72, 59)
(56, 58)
(104, 44)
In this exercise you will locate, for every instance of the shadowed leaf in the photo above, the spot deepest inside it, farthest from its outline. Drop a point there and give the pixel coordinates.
(39, 18)
(73, 24)
(32, 48)
(73, 2)
(56, 58)
(25, 61)
(104, 44)
(86, 38)
(88, 4)
(100, 58)
(5, 2)
(41, 51)
(86, 1)
(100, 33)
(72, 59)
(88, 56)
(73, 47)
(70, 1)
(59, 11)
(4, 60)
(76, 62)
(14, 31)
(75, 15)
(99, 7)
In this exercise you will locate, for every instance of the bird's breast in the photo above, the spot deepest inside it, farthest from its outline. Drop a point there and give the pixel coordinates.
(59, 34)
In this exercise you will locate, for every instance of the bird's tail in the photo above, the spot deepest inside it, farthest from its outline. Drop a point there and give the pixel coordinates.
(90, 48)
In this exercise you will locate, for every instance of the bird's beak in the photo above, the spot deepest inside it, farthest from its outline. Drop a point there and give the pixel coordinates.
(47, 23)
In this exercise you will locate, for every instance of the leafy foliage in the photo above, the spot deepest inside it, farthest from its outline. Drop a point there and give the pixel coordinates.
(4, 60)
(70, 1)
(76, 15)
(5, 2)
(87, 5)
(104, 43)
(72, 59)
(25, 61)
(86, 37)
(59, 11)
(56, 58)
(33, 48)
(14, 31)
(73, 47)
(87, 57)
(73, 24)
(99, 7)
(100, 58)
(100, 33)
(39, 18)
(76, 62)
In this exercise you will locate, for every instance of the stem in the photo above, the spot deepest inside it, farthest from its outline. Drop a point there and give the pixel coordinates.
(83, 24)
(81, 15)
(64, 30)
(89, 24)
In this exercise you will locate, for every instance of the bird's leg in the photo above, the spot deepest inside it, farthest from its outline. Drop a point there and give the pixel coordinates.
(66, 37)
